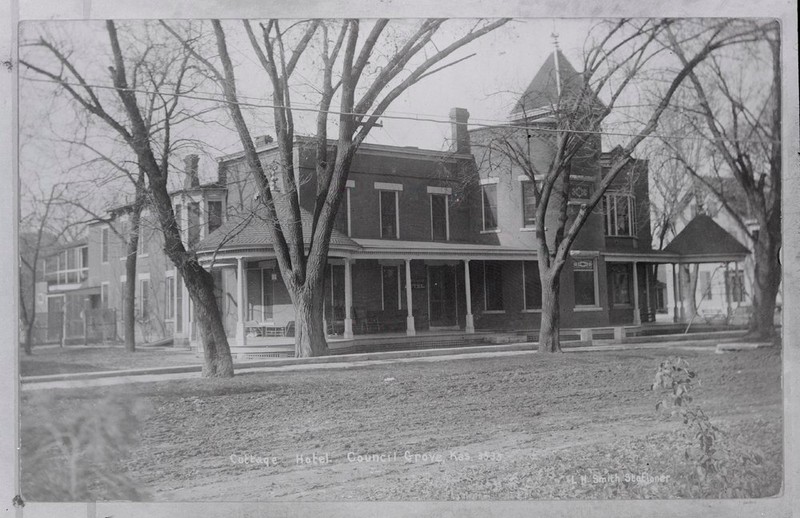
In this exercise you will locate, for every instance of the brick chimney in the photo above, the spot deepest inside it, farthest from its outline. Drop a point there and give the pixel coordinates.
(190, 168)
(459, 140)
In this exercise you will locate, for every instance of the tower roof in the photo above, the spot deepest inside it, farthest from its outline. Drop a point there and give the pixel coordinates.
(543, 90)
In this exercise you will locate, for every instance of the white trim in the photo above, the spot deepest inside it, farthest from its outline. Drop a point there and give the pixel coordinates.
(384, 186)
(350, 184)
(123, 278)
(349, 224)
(169, 273)
(582, 178)
(490, 181)
(587, 308)
(530, 311)
(527, 229)
(104, 243)
(440, 190)
(494, 311)
(143, 276)
(493, 231)
(526, 178)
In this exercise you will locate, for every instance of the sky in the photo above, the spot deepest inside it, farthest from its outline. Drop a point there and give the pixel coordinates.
(497, 69)
(487, 84)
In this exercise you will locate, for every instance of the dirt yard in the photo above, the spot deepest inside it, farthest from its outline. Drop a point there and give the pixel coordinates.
(574, 425)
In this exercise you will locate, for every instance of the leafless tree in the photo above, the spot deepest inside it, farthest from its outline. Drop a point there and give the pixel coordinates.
(43, 224)
(739, 113)
(364, 90)
(550, 144)
(148, 88)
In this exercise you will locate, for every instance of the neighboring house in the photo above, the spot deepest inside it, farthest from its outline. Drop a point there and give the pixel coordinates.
(724, 289)
(424, 241)
(64, 293)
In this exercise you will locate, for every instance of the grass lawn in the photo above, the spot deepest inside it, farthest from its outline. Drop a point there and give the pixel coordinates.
(531, 426)
(56, 360)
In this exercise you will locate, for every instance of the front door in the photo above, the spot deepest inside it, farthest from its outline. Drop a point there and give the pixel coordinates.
(442, 295)
(55, 317)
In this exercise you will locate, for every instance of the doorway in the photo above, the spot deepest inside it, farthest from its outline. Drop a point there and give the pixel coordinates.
(442, 295)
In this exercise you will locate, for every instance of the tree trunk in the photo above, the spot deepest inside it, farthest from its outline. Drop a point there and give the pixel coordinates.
(309, 338)
(766, 283)
(129, 297)
(550, 328)
(200, 284)
(28, 346)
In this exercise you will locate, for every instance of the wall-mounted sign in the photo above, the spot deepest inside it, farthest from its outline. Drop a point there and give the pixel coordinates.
(416, 285)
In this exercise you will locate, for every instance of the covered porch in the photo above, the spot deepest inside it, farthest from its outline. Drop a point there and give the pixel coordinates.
(634, 296)
(381, 288)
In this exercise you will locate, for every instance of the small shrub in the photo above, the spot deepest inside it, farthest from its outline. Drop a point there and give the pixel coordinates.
(78, 457)
(722, 468)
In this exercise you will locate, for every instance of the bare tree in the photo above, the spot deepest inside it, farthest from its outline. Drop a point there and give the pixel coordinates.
(739, 113)
(148, 88)
(364, 91)
(568, 133)
(42, 225)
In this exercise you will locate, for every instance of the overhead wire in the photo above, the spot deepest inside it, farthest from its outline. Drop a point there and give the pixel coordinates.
(483, 122)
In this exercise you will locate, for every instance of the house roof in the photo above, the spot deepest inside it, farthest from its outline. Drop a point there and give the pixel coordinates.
(542, 92)
(251, 230)
(703, 236)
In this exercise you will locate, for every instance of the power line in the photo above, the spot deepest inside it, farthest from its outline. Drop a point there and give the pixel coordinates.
(486, 123)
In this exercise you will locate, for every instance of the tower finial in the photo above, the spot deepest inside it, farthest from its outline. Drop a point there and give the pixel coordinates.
(554, 35)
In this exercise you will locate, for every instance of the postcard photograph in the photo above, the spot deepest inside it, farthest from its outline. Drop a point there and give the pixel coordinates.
(401, 259)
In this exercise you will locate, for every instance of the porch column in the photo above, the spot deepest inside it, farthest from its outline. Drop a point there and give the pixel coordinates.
(470, 324)
(674, 295)
(348, 299)
(728, 292)
(648, 304)
(410, 330)
(637, 312)
(682, 312)
(241, 301)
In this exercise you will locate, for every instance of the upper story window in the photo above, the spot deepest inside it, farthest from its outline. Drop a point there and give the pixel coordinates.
(389, 200)
(528, 204)
(214, 215)
(104, 244)
(440, 213)
(178, 219)
(70, 266)
(489, 204)
(620, 214)
(342, 220)
(141, 245)
(194, 229)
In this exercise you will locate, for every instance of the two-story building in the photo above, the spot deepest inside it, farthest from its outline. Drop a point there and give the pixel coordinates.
(425, 241)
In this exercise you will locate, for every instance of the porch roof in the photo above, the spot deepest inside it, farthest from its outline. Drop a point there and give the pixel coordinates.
(392, 249)
(704, 238)
(251, 231)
